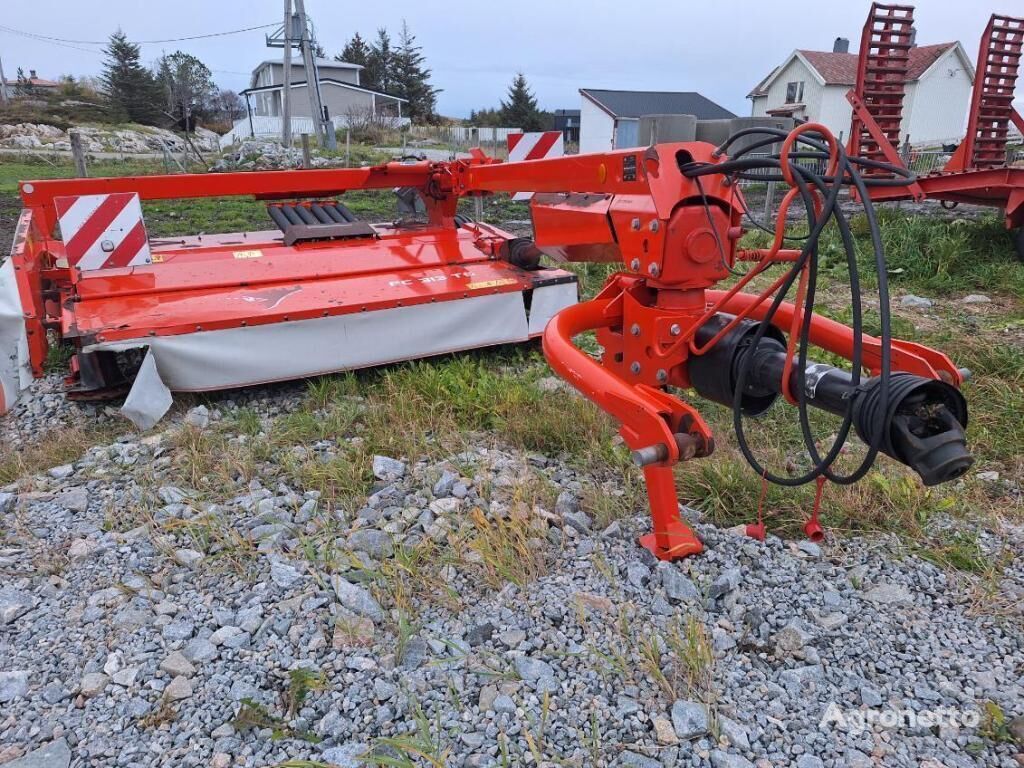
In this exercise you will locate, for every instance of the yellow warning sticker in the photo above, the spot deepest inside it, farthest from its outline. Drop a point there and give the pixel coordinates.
(248, 254)
(156, 258)
(492, 283)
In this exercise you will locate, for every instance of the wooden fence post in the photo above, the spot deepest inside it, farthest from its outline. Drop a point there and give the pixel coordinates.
(78, 154)
(307, 160)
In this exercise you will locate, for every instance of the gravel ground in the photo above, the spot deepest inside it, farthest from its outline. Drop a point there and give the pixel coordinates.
(131, 640)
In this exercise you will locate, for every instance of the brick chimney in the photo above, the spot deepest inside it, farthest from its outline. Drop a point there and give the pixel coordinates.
(32, 75)
(841, 45)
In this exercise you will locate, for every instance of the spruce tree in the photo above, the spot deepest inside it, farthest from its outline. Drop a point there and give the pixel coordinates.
(411, 78)
(379, 73)
(520, 111)
(131, 88)
(356, 51)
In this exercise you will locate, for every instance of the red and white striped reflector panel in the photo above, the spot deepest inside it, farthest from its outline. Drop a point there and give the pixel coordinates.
(103, 231)
(533, 146)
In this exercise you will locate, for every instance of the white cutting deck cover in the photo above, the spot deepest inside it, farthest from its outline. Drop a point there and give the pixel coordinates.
(15, 369)
(240, 357)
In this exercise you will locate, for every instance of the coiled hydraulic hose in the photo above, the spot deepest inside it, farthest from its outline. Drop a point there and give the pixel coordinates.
(819, 146)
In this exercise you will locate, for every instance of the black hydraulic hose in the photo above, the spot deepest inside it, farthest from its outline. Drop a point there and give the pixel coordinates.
(846, 173)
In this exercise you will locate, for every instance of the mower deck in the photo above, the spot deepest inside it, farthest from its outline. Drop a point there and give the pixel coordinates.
(240, 309)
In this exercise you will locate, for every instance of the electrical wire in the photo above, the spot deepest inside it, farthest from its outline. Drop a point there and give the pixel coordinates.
(812, 187)
(59, 40)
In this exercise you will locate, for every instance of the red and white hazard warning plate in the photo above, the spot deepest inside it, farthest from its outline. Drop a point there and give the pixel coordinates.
(103, 231)
(533, 146)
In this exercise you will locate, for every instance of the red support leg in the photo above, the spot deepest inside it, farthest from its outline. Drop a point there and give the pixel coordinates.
(672, 538)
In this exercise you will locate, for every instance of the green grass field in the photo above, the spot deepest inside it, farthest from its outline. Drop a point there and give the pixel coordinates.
(429, 408)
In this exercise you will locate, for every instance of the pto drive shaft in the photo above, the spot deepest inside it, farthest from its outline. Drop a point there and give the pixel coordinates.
(922, 427)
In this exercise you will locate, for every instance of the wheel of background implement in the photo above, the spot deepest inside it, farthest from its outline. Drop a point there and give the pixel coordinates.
(1018, 242)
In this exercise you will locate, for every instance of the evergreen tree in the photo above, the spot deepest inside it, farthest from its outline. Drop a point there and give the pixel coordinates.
(356, 51)
(379, 72)
(131, 88)
(411, 78)
(485, 117)
(520, 111)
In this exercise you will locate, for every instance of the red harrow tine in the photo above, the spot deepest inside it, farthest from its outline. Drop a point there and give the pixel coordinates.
(991, 110)
(881, 77)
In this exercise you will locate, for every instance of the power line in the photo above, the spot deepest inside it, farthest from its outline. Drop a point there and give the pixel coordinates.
(67, 41)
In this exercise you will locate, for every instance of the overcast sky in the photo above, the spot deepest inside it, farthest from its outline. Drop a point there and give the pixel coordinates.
(720, 48)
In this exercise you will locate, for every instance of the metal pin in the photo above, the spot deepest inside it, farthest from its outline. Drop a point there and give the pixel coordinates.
(634, 368)
(635, 329)
(674, 329)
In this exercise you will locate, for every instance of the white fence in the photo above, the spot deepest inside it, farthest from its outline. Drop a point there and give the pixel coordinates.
(259, 126)
(461, 135)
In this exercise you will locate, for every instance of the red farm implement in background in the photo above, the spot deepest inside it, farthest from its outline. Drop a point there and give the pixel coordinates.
(978, 171)
(326, 292)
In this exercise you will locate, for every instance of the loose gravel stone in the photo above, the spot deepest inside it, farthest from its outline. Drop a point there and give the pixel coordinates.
(689, 719)
(56, 754)
(93, 684)
(13, 684)
(390, 611)
(357, 599)
(179, 688)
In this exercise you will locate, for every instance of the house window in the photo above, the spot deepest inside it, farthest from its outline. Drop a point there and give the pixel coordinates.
(795, 92)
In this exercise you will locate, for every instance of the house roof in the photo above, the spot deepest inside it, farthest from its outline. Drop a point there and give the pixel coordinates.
(297, 62)
(639, 103)
(37, 82)
(323, 81)
(841, 68)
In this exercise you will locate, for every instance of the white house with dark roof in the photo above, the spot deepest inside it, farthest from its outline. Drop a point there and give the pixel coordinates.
(812, 85)
(339, 89)
(611, 119)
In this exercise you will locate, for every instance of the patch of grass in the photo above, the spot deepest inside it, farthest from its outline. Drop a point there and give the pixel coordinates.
(253, 716)
(607, 504)
(18, 168)
(343, 481)
(301, 683)
(56, 447)
(163, 713)
(960, 551)
(425, 745)
(935, 254)
(995, 726)
(693, 657)
(505, 550)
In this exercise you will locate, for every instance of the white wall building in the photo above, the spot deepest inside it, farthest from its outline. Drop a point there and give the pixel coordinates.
(812, 85)
(611, 119)
(339, 89)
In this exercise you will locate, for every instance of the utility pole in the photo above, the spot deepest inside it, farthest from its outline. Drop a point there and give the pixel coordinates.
(321, 121)
(316, 107)
(3, 85)
(286, 93)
